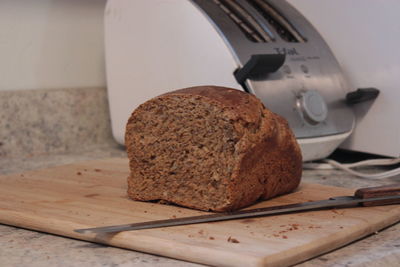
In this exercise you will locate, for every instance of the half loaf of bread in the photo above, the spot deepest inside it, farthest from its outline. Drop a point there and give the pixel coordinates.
(210, 148)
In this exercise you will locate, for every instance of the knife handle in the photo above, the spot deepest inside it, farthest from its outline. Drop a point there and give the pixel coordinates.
(379, 191)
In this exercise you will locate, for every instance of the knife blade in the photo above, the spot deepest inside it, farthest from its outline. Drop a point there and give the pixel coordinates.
(372, 196)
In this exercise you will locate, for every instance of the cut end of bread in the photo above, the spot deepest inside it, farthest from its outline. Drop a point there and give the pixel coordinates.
(181, 151)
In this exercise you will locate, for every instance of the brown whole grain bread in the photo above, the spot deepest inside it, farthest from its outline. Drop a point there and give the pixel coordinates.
(210, 148)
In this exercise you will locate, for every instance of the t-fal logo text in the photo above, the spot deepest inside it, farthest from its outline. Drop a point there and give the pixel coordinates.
(287, 51)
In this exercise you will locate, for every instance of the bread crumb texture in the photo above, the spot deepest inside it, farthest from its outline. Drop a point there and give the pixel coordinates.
(210, 148)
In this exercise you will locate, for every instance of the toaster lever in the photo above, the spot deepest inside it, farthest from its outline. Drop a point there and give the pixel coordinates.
(361, 95)
(258, 65)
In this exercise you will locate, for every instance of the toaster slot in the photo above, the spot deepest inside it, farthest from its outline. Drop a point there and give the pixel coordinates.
(281, 25)
(244, 20)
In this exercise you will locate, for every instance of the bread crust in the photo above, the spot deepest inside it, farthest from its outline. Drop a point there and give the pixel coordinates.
(267, 155)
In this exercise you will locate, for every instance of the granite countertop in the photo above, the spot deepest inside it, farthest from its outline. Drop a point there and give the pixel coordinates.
(72, 125)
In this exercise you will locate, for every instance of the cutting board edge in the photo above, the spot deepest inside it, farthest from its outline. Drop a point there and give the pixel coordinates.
(342, 239)
(315, 248)
(204, 255)
(33, 223)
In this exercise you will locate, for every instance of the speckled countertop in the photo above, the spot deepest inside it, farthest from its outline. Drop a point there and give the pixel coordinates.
(43, 128)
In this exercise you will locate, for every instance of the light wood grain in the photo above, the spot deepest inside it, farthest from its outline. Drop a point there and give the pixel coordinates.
(91, 194)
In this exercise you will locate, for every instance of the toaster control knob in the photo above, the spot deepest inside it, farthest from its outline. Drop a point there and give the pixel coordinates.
(312, 106)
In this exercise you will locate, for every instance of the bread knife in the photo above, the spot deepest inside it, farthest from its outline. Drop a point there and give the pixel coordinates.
(371, 196)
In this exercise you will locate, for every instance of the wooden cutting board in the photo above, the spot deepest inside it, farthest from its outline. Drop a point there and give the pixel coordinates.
(90, 194)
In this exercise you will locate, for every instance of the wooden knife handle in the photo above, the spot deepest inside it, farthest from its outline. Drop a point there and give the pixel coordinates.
(379, 191)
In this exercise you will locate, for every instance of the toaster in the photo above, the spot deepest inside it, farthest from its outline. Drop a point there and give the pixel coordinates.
(264, 47)
(367, 51)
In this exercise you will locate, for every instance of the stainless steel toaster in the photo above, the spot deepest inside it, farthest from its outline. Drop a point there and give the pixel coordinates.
(264, 47)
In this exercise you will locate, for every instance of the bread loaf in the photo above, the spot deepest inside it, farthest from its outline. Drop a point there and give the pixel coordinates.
(210, 148)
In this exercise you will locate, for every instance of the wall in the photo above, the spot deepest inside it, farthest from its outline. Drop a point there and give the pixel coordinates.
(51, 44)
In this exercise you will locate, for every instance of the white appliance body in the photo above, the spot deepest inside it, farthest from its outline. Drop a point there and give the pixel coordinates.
(154, 46)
